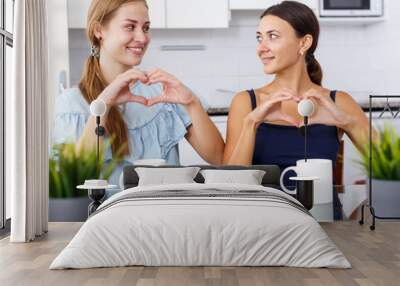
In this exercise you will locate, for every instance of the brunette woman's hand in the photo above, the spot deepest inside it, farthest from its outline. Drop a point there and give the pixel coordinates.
(174, 91)
(271, 109)
(327, 112)
(118, 91)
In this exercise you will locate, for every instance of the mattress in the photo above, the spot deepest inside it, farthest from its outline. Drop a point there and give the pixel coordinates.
(201, 225)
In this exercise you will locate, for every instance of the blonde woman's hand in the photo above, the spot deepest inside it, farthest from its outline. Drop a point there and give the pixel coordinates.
(271, 109)
(174, 91)
(118, 91)
(327, 112)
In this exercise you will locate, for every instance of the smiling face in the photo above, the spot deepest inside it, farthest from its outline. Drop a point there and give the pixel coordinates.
(279, 47)
(125, 37)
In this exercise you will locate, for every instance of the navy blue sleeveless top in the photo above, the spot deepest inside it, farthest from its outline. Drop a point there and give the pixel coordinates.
(284, 145)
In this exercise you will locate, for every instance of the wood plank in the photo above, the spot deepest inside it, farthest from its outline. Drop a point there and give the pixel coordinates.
(375, 257)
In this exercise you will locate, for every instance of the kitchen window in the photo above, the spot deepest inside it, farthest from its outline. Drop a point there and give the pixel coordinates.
(6, 45)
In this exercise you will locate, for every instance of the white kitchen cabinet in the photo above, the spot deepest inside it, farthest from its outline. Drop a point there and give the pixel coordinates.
(77, 13)
(167, 13)
(78, 10)
(313, 4)
(352, 170)
(157, 13)
(188, 156)
(264, 4)
(197, 14)
(251, 4)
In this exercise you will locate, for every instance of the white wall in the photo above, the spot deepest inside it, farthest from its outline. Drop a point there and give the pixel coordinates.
(363, 58)
(58, 49)
(357, 59)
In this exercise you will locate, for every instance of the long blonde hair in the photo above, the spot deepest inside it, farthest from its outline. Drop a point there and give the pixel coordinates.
(92, 81)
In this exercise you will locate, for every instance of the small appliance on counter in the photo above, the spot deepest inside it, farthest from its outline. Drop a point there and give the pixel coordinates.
(351, 8)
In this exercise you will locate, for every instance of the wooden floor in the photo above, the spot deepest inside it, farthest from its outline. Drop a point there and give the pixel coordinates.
(375, 257)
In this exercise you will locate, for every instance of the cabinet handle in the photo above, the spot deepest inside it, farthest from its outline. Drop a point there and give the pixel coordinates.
(183, 48)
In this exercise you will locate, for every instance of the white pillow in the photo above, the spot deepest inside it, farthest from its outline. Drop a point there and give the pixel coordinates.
(166, 176)
(248, 177)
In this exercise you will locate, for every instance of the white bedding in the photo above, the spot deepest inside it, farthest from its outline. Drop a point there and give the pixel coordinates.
(200, 231)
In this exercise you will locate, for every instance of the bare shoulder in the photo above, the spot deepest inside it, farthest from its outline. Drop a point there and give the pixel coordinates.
(241, 96)
(342, 95)
(241, 103)
(347, 103)
(345, 100)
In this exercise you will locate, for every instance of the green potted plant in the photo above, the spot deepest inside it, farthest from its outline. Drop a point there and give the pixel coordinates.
(385, 175)
(68, 169)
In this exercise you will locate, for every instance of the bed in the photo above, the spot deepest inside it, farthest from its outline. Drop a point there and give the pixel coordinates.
(198, 224)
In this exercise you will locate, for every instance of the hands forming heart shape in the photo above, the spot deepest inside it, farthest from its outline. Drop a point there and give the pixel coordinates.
(174, 91)
(118, 91)
(271, 109)
(327, 112)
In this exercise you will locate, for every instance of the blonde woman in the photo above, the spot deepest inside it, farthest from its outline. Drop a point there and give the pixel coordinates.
(148, 112)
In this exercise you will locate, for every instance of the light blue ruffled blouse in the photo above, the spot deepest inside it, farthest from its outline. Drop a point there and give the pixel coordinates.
(153, 132)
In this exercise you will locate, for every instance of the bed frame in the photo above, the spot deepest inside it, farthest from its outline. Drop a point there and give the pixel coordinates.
(271, 178)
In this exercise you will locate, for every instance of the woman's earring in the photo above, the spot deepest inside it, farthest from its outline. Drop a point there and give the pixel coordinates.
(94, 52)
(301, 52)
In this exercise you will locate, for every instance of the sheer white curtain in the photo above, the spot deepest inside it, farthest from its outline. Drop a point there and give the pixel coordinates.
(27, 123)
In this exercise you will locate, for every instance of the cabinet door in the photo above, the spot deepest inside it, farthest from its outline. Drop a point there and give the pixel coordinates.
(251, 4)
(78, 10)
(157, 13)
(263, 4)
(77, 13)
(313, 4)
(352, 171)
(197, 14)
(188, 156)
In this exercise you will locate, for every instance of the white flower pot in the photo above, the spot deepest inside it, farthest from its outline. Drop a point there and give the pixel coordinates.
(385, 198)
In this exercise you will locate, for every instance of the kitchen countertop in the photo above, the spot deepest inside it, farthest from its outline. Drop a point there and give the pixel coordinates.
(380, 104)
(377, 106)
(218, 111)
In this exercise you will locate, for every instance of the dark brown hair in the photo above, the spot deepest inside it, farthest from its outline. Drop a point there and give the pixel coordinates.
(304, 22)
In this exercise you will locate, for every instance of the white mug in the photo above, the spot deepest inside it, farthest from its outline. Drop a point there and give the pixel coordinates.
(321, 168)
